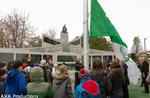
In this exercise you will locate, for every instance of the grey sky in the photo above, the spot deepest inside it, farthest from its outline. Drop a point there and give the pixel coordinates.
(130, 17)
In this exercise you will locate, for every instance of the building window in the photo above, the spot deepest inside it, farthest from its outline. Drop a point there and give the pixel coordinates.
(64, 58)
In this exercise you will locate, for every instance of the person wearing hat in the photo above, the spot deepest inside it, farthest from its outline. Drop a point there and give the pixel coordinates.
(3, 75)
(62, 86)
(37, 86)
(15, 83)
(87, 88)
(26, 71)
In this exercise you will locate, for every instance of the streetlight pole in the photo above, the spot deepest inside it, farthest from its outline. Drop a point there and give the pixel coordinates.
(145, 44)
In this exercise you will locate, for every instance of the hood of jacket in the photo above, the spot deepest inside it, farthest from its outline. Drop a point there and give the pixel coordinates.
(37, 74)
(12, 75)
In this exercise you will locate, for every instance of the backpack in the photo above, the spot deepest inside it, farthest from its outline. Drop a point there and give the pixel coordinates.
(103, 83)
(88, 89)
(105, 86)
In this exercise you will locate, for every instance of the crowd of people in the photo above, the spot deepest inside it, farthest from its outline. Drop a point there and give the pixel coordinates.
(49, 80)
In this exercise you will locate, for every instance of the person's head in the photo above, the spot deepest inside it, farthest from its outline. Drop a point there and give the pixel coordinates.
(36, 65)
(63, 68)
(122, 62)
(43, 62)
(24, 65)
(83, 73)
(117, 60)
(115, 65)
(97, 64)
(10, 65)
(17, 65)
(37, 74)
(141, 58)
(29, 59)
(78, 60)
(3, 74)
(50, 61)
(62, 72)
(3, 66)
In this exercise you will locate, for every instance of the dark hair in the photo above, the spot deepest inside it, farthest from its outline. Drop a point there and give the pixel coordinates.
(17, 64)
(2, 64)
(10, 65)
(97, 64)
(2, 72)
(47, 59)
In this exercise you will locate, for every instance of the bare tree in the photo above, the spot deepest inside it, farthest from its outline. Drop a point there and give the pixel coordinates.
(51, 33)
(35, 41)
(15, 28)
(136, 47)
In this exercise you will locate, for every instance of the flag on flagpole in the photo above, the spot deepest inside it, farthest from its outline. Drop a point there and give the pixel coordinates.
(100, 25)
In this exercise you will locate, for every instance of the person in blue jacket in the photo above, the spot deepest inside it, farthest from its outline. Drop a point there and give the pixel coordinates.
(15, 83)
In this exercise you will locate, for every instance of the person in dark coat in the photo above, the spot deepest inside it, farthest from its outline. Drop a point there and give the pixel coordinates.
(15, 83)
(78, 66)
(50, 64)
(144, 69)
(47, 71)
(116, 77)
(126, 80)
(98, 74)
(3, 75)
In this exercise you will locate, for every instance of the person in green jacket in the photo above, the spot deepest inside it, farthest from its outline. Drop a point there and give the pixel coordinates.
(37, 86)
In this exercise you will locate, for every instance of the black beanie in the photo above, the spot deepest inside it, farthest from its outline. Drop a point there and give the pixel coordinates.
(2, 72)
(2, 64)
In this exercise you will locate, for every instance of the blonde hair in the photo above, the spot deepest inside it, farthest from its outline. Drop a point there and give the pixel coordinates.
(115, 65)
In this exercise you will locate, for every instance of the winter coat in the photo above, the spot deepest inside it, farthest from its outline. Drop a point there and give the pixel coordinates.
(62, 86)
(144, 68)
(47, 73)
(15, 83)
(87, 89)
(116, 77)
(103, 82)
(37, 86)
(125, 73)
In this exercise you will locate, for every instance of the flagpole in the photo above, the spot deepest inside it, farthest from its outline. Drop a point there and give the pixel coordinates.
(42, 40)
(85, 35)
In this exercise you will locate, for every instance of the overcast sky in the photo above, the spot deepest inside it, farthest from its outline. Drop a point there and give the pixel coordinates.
(130, 17)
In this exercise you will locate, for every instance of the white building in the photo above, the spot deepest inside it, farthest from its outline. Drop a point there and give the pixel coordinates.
(60, 51)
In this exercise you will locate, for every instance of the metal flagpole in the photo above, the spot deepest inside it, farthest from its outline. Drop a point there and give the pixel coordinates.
(85, 35)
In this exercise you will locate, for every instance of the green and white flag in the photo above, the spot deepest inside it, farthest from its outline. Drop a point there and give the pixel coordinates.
(100, 25)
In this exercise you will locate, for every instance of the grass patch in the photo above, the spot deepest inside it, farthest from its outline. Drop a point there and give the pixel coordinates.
(135, 91)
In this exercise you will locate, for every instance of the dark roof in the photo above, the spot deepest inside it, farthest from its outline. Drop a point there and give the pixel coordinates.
(50, 41)
(76, 41)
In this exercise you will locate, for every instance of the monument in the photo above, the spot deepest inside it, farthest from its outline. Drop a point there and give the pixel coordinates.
(64, 39)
